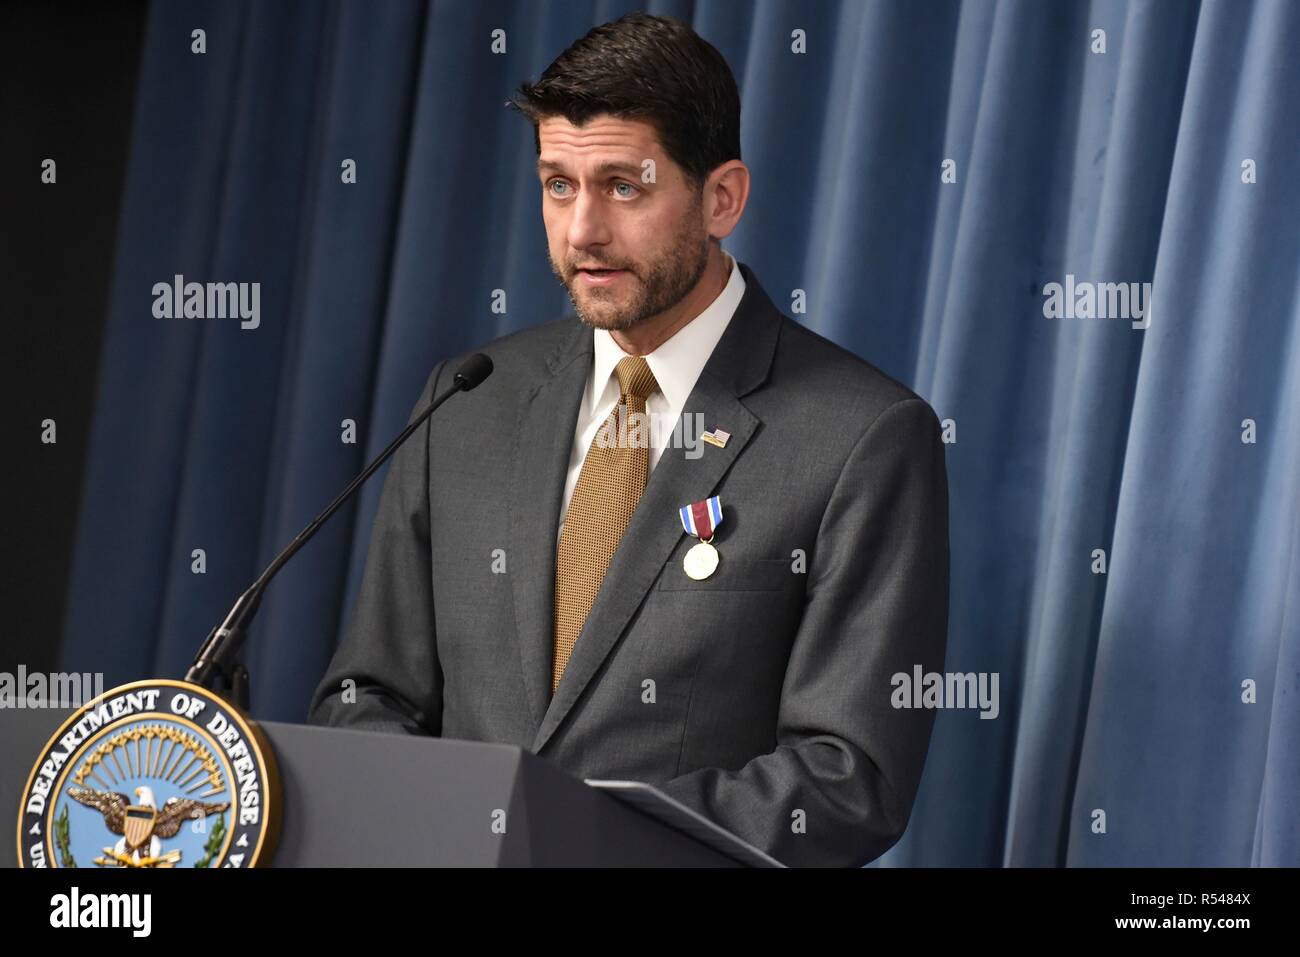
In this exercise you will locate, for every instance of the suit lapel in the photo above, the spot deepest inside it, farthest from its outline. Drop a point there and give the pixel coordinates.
(739, 364)
(544, 439)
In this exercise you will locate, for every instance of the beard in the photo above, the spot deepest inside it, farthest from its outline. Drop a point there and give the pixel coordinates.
(658, 286)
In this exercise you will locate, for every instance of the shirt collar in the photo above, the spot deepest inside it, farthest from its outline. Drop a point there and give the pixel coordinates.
(677, 363)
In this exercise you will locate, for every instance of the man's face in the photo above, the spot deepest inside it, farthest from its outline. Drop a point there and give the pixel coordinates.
(601, 212)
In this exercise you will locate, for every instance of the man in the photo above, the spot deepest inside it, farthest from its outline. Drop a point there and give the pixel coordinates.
(531, 578)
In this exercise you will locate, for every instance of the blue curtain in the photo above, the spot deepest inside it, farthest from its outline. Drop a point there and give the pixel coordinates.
(1125, 544)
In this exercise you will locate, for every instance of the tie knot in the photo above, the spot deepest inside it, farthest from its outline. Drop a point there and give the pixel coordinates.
(635, 377)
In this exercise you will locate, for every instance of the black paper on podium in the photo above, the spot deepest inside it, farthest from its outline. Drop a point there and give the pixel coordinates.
(649, 800)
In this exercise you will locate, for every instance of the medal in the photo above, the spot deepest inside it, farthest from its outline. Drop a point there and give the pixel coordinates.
(701, 561)
(700, 519)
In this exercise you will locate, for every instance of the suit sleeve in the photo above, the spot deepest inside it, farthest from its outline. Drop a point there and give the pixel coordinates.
(839, 787)
(385, 674)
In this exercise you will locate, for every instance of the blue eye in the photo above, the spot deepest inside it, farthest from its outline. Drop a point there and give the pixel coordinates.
(555, 182)
(629, 186)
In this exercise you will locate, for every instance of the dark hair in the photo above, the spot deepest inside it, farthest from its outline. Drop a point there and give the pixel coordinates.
(645, 67)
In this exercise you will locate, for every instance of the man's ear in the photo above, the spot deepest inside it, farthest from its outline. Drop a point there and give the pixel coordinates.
(726, 192)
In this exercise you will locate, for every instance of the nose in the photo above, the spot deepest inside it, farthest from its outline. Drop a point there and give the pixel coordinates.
(588, 226)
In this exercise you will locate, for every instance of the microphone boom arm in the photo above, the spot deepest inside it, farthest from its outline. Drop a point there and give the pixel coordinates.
(217, 659)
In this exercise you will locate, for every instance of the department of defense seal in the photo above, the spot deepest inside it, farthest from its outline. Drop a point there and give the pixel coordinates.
(155, 773)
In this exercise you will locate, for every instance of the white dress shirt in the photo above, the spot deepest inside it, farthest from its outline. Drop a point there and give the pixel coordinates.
(676, 365)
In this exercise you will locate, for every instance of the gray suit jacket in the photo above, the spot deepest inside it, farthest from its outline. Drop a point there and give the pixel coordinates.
(761, 696)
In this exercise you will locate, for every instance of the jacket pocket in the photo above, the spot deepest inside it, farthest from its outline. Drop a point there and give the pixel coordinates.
(733, 573)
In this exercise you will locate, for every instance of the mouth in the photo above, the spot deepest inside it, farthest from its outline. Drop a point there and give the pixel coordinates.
(600, 277)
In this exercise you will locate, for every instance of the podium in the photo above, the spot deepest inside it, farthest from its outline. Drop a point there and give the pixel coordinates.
(366, 799)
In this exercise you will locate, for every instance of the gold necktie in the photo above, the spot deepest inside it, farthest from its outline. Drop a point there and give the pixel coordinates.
(609, 486)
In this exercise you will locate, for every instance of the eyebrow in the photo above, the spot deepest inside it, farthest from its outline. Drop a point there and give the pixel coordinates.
(605, 168)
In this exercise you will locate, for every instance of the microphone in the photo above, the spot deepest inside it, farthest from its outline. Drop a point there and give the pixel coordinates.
(217, 662)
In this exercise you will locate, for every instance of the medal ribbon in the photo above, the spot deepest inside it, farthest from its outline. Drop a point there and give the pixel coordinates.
(702, 518)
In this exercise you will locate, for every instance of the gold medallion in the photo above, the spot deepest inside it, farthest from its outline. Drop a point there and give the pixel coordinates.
(701, 561)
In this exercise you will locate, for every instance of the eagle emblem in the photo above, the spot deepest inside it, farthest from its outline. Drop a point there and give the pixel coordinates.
(141, 824)
(152, 774)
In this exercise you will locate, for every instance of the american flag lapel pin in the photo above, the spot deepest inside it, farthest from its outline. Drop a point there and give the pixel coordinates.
(716, 437)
